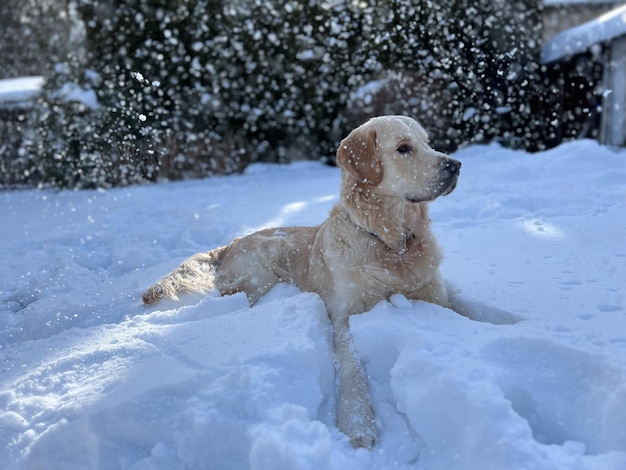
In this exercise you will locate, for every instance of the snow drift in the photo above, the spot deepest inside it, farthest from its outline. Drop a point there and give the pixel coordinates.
(537, 379)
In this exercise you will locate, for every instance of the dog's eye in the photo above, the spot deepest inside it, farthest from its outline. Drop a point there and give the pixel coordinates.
(404, 149)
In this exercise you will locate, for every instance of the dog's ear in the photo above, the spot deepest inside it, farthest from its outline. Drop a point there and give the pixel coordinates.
(357, 155)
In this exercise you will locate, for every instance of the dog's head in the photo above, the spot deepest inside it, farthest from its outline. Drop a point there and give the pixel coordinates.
(391, 155)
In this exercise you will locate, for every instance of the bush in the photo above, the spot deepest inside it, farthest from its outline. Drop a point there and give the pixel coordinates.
(33, 33)
(281, 72)
(466, 69)
(196, 87)
(242, 81)
(15, 168)
(76, 141)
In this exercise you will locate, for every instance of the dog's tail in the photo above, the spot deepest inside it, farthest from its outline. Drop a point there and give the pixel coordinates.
(196, 274)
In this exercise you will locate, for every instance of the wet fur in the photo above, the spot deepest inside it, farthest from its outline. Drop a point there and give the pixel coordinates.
(376, 242)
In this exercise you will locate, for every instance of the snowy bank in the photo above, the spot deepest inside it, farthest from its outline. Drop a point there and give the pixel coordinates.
(580, 38)
(15, 92)
(93, 380)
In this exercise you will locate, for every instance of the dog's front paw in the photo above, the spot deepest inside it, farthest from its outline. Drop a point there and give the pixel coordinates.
(355, 418)
(365, 438)
(153, 294)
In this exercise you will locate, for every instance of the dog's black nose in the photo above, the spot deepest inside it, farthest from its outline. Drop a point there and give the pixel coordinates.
(450, 165)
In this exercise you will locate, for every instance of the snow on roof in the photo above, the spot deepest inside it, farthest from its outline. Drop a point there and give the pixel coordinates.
(18, 91)
(579, 39)
(73, 92)
(580, 2)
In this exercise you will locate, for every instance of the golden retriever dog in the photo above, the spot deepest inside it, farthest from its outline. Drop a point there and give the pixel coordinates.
(376, 242)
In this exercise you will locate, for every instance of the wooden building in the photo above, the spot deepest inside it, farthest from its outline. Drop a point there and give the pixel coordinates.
(589, 63)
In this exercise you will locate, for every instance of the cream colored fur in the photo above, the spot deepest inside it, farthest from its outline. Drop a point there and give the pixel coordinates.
(376, 242)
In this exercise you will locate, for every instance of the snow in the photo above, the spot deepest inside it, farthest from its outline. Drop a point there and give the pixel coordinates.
(20, 91)
(73, 92)
(577, 40)
(574, 2)
(534, 247)
(16, 91)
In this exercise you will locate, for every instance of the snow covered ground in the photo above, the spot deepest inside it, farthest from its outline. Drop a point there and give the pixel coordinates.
(91, 379)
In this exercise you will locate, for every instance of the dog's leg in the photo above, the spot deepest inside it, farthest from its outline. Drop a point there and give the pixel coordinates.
(355, 412)
(195, 274)
(479, 311)
(435, 292)
(254, 264)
